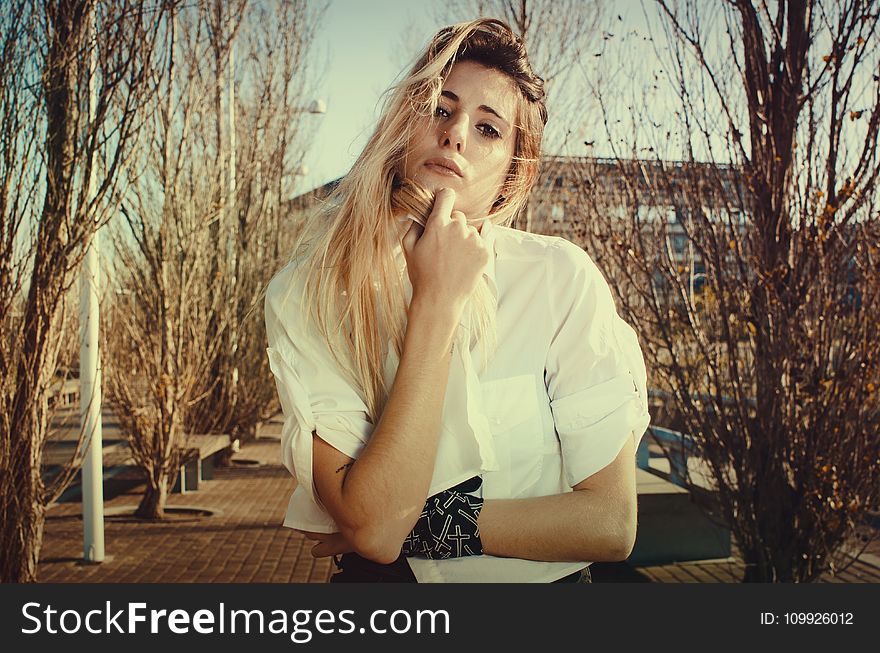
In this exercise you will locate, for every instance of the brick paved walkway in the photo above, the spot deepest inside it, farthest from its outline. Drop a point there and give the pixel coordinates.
(244, 541)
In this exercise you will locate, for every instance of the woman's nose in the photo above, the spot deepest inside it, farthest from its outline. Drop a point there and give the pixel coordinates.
(454, 133)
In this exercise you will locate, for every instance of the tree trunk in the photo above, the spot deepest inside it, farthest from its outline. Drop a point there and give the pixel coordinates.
(22, 527)
(762, 570)
(757, 570)
(23, 512)
(152, 505)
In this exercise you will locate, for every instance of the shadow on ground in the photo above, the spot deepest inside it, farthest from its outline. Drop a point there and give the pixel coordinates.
(616, 572)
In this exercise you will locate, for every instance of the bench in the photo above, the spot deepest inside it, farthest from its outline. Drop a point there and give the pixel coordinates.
(677, 448)
(197, 452)
(675, 523)
(63, 394)
(197, 456)
(271, 428)
(673, 526)
(116, 453)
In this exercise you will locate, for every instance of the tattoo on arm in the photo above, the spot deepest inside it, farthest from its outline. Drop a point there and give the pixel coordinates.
(344, 466)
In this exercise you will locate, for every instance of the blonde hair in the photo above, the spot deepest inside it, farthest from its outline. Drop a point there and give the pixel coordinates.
(353, 287)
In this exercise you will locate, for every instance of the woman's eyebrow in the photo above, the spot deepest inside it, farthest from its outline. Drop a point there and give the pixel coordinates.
(452, 96)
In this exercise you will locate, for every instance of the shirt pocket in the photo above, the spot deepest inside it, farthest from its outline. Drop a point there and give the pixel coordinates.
(511, 408)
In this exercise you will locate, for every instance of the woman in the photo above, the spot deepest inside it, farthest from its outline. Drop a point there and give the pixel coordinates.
(462, 401)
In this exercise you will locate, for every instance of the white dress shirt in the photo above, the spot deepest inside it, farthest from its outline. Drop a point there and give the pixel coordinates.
(564, 390)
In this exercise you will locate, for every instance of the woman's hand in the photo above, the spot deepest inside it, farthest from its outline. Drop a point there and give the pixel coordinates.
(329, 544)
(445, 258)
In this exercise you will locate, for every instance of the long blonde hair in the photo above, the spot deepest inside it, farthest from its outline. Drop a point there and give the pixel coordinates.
(353, 288)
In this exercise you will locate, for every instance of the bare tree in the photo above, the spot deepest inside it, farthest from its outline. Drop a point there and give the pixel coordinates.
(267, 133)
(159, 349)
(48, 219)
(555, 33)
(759, 165)
(221, 21)
(202, 229)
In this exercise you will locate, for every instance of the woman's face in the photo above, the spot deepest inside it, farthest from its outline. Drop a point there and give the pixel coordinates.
(469, 143)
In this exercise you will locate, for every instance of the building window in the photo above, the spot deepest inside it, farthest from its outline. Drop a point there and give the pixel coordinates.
(679, 242)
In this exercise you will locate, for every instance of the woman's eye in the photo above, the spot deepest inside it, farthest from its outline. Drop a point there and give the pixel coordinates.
(489, 131)
(441, 112)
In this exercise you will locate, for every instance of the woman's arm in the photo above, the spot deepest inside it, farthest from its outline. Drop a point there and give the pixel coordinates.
(596, 522)
(596, 383)
(376, 499)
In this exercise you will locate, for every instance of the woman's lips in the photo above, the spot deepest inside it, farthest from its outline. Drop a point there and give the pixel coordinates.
(442, 170)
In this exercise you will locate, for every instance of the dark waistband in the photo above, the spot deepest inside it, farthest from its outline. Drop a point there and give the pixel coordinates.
(357, 569)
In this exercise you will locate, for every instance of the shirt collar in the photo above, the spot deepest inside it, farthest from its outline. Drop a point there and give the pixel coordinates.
(490, 233)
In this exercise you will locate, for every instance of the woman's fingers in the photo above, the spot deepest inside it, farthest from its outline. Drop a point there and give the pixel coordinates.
(411, 237)
(332, 544)
(444, 200)
(460, 218)
(329, 544)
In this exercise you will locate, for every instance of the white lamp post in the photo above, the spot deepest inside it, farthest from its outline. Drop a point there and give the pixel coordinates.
(318, 106)
(90, 367)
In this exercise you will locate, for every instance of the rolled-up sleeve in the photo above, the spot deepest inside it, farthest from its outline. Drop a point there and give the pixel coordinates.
(315, 397)
(595, 371)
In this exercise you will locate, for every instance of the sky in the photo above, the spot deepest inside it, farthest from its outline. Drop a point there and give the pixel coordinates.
(368, 43)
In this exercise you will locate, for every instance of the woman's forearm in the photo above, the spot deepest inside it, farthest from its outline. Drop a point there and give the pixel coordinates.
(385, 489)
(573, 527)
(596, 522)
